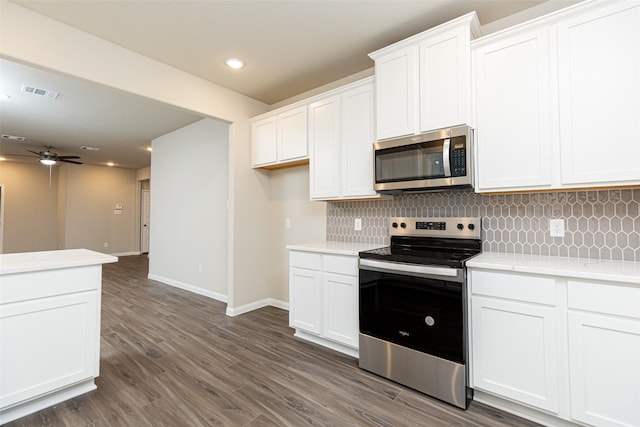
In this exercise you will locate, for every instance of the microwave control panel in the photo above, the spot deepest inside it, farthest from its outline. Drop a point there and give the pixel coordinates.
(458, 157)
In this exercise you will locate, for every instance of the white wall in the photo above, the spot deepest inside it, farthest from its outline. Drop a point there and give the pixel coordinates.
(188, 243)
(39, 41)
(30, 207)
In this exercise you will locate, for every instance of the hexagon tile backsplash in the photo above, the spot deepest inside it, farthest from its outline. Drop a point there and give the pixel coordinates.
(600, 224)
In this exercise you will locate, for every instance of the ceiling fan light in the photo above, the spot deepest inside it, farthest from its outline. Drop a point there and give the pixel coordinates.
(48, 162)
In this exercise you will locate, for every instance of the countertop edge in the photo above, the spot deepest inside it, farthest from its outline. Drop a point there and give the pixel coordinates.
(335, 248)
(571, 268)
(27, 262)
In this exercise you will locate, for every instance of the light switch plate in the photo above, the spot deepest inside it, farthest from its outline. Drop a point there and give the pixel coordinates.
(358, 224)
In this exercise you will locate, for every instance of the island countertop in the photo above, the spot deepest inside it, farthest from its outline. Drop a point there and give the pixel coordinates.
(49, 260)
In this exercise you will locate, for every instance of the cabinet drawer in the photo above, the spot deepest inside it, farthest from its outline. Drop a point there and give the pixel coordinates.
(308, 260)
(47, 283)
(535, 289)
(605, 298)
(341, 264)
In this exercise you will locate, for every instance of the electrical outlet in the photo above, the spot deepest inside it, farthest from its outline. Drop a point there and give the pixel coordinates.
(106, 244)
(287, 223)
(200, 268)
(556, 227)
(358, 224)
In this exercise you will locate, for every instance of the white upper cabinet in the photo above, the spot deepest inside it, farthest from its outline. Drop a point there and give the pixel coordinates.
(445, 79)
(396, 92)
(423, 82)
(599, 80)
(357, 142)
(324, 134)
(279, 138)
(292, 134)
(513, 97)
(264, 137)
(341, 144)
(557, 100)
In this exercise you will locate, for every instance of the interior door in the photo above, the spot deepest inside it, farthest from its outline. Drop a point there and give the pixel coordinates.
(144, 227)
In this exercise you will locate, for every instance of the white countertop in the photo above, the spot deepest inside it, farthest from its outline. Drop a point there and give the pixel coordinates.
(615, 271)
(50, 260)
(336, 248)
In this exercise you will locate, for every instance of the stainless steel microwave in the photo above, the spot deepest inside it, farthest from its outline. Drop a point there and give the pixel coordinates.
(427, 162)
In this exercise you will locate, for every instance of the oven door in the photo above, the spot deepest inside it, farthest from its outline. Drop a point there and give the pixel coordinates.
(420, 307)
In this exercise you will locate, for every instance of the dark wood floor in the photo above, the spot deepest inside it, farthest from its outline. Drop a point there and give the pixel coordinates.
(173, 358)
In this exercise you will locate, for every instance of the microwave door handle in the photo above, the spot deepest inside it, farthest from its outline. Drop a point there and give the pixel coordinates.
(445, 157)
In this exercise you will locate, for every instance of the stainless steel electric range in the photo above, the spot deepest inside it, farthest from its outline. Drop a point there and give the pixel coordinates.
(413, 306)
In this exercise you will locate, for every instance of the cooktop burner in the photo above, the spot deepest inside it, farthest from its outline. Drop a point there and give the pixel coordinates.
(430, 241)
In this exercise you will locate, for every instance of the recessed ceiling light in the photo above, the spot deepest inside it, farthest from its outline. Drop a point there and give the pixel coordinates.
(234, 62)
(110, 164)
(2, 159)
(149, 149)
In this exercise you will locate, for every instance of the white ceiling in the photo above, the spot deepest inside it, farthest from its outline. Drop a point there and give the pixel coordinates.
(290, 47)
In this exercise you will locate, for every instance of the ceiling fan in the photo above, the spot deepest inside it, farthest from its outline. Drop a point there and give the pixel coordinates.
(49, 158)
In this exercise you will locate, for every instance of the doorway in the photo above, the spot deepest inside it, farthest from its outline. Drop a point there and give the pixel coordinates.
(144, 221)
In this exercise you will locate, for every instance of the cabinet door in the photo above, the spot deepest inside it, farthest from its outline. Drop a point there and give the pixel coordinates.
(514, 135)
(514, 351)
(305, 295)
(341, 308)
(599, 72)
(264, 141)
(48, 343)
(396, 92)
(324, 135)
(292, 134)
(357, 142)
(444, 80)
(604, 360)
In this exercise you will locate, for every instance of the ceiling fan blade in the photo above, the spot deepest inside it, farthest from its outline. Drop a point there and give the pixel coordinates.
(34, 152)
(67, 157)
(69, 161)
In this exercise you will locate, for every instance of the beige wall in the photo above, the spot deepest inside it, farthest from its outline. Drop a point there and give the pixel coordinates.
(36, 40)
(30, 207)
(290, 199)
(188, 245)
(92, 193)
(76, 212)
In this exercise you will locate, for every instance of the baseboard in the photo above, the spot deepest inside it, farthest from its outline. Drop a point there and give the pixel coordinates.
(191, 288)
(236, 311)
(531, 414)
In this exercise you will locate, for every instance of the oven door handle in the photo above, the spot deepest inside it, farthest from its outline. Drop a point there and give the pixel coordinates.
(409, 268)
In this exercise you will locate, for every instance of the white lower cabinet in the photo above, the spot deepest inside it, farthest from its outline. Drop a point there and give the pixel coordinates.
(514, 344)
(555, 349)
(323, 295)
(604, 354)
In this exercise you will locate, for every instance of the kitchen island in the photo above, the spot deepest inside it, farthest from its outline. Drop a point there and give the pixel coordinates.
(49, 328)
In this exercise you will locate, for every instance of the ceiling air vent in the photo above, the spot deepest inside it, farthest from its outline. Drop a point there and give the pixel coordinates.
(41, 92)
(86, 147)
(13, 138)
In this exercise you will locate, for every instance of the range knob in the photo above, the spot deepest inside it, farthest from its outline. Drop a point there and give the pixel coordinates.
(403, 225)
(394, 225)
(460, 226)
(471, 226)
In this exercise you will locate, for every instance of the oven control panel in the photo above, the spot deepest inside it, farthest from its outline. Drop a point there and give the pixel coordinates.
(463, 228)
